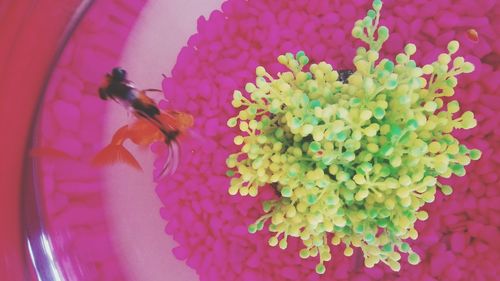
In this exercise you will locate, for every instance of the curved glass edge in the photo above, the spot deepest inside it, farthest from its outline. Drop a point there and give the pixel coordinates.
(39, 256)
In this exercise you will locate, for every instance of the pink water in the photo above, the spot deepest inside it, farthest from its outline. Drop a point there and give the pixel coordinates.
(105, 224)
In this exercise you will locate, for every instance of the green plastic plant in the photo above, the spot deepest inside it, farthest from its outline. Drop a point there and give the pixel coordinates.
(352, 161)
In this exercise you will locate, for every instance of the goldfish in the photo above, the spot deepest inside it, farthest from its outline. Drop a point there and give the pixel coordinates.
(149, 125)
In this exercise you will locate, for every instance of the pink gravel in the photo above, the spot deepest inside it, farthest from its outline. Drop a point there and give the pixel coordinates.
(460, 239)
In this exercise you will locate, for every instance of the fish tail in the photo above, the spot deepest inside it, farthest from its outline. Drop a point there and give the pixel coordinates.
(113, 154)
(173, 157)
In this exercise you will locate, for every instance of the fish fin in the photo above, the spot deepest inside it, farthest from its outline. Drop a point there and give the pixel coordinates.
(113, 154)
(49, 152)
(173, 157)
(152, 90)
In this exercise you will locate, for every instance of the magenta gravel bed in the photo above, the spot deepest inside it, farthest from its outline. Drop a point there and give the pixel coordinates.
(458, 242)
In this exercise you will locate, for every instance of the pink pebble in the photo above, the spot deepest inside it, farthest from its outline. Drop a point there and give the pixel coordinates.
(71, 91)
(347, 11)
(58, 202)
(448, 20)
(331, 18)
(458, 242)
(79, 187)
(95, 247)
(180, 252)
(430, 27)
(68, 144)
(91, 105)
(470, 202)
(79, 214)
(453, 273)
(394, 44)
(67, 115)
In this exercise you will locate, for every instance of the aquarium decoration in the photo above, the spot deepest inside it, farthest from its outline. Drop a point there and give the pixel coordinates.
(352, 162)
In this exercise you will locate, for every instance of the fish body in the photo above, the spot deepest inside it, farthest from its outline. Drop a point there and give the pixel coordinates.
(150, 125)
(117, 87)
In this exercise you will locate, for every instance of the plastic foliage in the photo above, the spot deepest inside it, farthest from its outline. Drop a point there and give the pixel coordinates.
(353, 162)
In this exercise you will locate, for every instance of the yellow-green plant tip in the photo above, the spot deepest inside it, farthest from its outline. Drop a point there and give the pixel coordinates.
(286, 192)
(359, 229)
(283, 244)
(453, 106)
(394, 265)
(383, 32)
(389, 66)
(232, 122)
(377, 5)
(348, 251)
(468, 67)
(367, 21)
(413, 259)
(457, 169)
(405, 247)
(348, 156)
(320, 268)
(412, 124)
(260, 71)
(475, 154)
(369, 238)
(282, 59)
(387, 248)
(371, 13)
(238, 140)
(252, 228)
(304, 60)
(231, 162)
(304, 253)
(250, 87)
(300, 54)
(311, 199)
(260, 225)
(444, 59)
(266, 206)
(237, 95)
(233, 190)
(379, 113)
(453, 46)
(273, 241)
(391, 84)
(315, 146)
(410, 49)
(236, 103)
(422, 215)
(458, 62)
(357, 32)
(427, 69)
(468, 120)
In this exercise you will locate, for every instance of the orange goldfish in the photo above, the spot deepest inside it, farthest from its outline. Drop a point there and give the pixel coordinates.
(151, 124)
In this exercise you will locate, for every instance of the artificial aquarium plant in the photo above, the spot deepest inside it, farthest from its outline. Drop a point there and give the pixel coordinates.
(353, 161)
